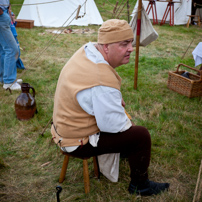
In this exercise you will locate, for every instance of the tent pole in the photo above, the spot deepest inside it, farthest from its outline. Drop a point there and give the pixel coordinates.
(137, 42)
(128, 11)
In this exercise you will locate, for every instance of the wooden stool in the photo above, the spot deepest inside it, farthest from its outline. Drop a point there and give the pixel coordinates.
(85, 170)
(198, 21)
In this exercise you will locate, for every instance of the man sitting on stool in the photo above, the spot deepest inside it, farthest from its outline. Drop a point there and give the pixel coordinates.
(89, 117)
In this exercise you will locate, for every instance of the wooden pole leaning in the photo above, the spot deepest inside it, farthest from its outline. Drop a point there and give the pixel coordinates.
(46, 126)
(187, 49)
(77, 14)
(128, 11)
(196, 193)
(137, 42)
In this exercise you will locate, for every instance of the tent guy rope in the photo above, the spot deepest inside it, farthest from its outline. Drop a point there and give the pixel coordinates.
(187, 48)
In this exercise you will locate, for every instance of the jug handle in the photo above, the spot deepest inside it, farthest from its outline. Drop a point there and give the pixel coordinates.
(33, 91)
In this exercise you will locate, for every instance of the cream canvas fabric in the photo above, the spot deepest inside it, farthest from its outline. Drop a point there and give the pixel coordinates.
(109, 166)
(59, 13)
(147, 33)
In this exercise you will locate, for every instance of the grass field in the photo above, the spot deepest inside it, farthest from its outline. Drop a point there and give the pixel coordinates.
(173, 120)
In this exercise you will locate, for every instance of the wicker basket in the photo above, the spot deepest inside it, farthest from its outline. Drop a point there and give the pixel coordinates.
(189, 87)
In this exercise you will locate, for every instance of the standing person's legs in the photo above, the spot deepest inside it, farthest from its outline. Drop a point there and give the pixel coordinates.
(10, 49)
(2, 55)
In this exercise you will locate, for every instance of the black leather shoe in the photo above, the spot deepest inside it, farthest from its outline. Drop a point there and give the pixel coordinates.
(148, 188)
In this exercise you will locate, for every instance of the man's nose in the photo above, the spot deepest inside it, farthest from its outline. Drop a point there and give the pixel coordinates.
(130, 47)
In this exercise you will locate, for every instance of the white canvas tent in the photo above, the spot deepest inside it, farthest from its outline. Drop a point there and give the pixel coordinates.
(181, 10)
(55, 13)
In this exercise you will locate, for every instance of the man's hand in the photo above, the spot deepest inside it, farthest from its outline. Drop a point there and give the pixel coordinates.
(1, 11)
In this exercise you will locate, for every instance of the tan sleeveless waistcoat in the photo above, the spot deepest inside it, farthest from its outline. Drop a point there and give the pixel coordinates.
(71, 124)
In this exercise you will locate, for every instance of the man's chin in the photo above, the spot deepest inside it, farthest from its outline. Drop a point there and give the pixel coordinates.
(126, 61)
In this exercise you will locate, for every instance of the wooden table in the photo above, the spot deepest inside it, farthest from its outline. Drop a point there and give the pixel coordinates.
(196, 16)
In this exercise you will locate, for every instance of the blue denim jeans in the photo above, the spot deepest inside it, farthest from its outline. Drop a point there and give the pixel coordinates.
(8, 51)
(19, 62)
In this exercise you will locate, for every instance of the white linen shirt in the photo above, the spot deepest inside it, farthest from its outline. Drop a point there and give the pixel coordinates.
(197, 54)
(105, 103)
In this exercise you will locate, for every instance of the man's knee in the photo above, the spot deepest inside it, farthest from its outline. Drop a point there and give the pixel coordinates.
(141, 133)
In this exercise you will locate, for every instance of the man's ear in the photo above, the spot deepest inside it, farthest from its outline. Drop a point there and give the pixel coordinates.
(106, 48)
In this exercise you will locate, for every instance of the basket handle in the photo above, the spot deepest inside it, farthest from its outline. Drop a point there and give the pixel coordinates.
(200, 71)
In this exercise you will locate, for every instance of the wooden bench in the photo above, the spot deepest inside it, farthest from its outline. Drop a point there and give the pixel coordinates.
(195, 16)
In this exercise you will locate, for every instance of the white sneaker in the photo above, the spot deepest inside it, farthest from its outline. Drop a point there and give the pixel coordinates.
(14, 86)
(19, 81)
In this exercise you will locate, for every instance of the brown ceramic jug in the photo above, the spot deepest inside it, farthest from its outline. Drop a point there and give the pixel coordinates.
(25, 105)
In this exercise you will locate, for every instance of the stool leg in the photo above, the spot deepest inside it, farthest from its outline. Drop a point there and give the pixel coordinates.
(64, 169)
(96, 167)
(86, 176)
